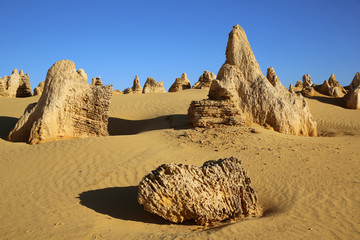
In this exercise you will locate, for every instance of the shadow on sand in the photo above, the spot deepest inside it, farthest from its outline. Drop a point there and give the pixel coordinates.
(119, 202)
(119, 126)
(7, 124)
(328, 100)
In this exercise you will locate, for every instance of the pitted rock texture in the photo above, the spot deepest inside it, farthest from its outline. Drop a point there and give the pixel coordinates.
(205, 80)
(180, 84)
(211, 113)
(96, 81)
(352, 98)
(217, 191)
(332, 88)
(68, 108)
(257, 99)
(17, 84)
(39, 89)
(151, 86)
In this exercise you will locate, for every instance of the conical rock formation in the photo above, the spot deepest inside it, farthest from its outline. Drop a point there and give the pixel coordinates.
(68, 108)
(151, 86)
(180, 84)
(352, 98)
(216, 191)
(136, 88)
(205, 80)
(257, 100)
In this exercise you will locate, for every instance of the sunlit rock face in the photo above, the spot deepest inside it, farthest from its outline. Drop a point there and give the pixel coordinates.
(352, 98)
(16, 85)
(69, 107)
(205, 80)
(151, 86)
(180, 84)
(217, 191)
(251, 97)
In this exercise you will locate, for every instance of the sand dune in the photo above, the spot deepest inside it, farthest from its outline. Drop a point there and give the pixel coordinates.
(86, 188)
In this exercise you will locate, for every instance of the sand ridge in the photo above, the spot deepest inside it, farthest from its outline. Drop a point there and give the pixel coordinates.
(86, 188)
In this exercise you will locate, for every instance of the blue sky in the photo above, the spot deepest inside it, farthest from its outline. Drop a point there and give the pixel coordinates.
(163, 39)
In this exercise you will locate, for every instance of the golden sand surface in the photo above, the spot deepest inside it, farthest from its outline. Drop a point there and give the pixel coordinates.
(308, 187)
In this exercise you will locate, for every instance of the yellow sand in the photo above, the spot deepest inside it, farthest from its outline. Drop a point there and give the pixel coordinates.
(309, 187)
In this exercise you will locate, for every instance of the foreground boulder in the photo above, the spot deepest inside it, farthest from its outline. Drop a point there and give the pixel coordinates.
(39, 89)
(332, 88)
(216, 191)
(205, 80)
(151, 86)
(249, 96)
(180, 84)
(17, 85)
(352, 98)
(68, 108)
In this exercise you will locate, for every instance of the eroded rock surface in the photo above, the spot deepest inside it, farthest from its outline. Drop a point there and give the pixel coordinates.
(352, 98)
(332, 88)
(96, 81)
(17, 84)
(180, 84)
(151, 86)
(3, 91)
(216, 191)
(205, 80)
(39, 89)
(256, 99)
(68, 108)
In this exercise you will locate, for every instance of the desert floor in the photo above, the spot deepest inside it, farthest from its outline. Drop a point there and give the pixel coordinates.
(308, 187)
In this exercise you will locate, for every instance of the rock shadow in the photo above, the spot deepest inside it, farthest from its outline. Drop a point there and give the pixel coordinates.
(6, 125)
(329, 100)
(120, 203)
(119, 126)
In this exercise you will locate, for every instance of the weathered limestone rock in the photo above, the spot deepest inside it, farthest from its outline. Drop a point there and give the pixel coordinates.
(151, 86)
(205, 80)
(299, 84)
(3, 91)
(307, 82)
(352, 98)
(96, 81)
(180, 84)
(136, 88)
(332, 88)
(291, 89)
(308, 91)
(17, 84)
(39, 89)
(211, 113)
(256, 98)
(68, 108)
(216, 191)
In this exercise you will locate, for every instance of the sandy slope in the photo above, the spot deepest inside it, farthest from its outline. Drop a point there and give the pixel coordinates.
(86, 188)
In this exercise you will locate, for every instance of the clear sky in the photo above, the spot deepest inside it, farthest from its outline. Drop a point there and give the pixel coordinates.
(163, 39)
